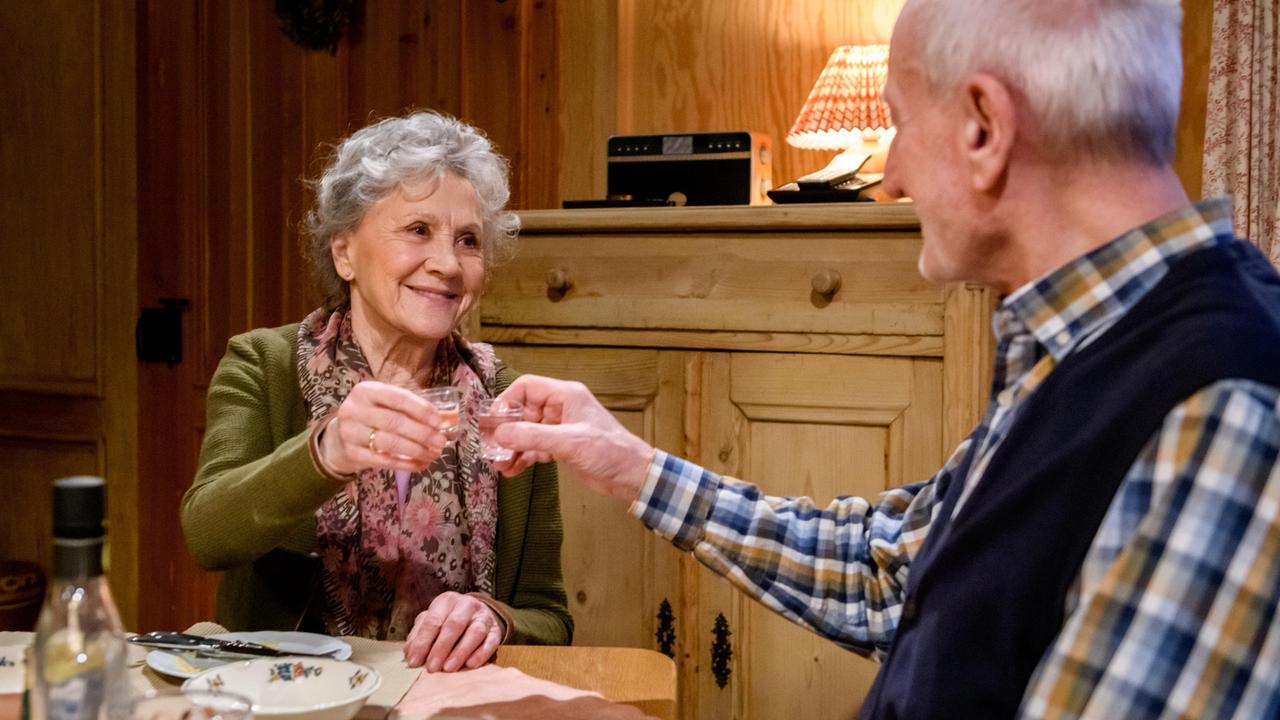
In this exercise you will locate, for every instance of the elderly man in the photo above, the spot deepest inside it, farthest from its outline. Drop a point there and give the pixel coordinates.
(1106, 543)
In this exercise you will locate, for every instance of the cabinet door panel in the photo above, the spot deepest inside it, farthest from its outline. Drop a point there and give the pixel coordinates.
(819, 426)
(616, 572)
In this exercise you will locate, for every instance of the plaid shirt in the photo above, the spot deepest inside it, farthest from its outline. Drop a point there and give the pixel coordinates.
(1173, 611)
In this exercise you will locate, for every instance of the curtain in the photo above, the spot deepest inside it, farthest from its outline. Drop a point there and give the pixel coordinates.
(1242, 128)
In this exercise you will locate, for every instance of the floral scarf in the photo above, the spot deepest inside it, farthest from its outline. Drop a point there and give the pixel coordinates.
(383, 563)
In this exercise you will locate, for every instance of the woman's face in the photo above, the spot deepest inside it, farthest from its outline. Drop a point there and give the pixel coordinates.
(415, 262)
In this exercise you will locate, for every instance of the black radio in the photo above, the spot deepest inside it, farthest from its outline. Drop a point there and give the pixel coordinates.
(720, 168)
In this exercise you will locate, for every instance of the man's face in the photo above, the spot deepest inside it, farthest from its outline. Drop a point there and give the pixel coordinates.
(927, 163)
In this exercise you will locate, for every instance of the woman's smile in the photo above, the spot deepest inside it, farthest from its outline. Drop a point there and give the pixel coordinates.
(431, 294)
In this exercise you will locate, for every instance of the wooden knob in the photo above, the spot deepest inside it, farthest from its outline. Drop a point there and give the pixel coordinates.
(826, 282)
(558, 280)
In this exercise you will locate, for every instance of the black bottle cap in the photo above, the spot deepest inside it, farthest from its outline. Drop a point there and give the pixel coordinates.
(77, 507)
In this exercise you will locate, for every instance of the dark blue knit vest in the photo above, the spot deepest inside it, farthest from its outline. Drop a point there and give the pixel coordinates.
(985, 595)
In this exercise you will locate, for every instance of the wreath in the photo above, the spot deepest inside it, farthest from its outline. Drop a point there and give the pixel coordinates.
(316, 24)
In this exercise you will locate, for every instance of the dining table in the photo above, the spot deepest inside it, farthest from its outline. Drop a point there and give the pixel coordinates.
(522, 681)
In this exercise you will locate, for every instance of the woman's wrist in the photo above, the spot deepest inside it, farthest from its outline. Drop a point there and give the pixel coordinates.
(315, 444)
(500, 611)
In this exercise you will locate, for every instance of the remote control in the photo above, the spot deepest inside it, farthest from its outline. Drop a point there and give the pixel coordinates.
(857, 183)
(827, 177)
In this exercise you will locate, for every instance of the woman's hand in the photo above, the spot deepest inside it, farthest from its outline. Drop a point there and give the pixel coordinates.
(456, 630)
(382, 426)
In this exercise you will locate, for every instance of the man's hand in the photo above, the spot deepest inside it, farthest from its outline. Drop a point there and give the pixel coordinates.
(456, 630)
(565, 422)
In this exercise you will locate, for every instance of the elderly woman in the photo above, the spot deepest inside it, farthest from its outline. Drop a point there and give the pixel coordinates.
(327, 489)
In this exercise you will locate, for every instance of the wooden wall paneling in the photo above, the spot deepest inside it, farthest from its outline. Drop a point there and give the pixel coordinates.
(587, 69)
(31, 463)
(430, 46)
(326, 105)
(325, 120)
(225, 270)
(375, 62)
(624, 76)
(539, 112)
(278, 163)
(326, 116)
(711, 65)
(66, 270)
(43, 437)
(223, 296)
(41, 415)
(269, 98)
(491, 77)
(119, 302)
(51, 223)
(177, 198)
(748, 65)
(1197, 31)
(52, 205)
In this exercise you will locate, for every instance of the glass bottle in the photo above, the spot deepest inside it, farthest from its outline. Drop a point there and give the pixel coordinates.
(78, 659)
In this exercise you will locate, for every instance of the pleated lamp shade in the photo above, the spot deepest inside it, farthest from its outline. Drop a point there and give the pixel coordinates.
(845, 109)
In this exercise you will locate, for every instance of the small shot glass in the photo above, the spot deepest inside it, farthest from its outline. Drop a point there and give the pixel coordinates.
(492, 412)
(448, 403)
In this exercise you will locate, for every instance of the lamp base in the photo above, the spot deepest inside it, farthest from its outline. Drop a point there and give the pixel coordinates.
(875, 152)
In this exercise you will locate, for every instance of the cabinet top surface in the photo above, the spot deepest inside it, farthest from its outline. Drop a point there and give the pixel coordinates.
(818, 216)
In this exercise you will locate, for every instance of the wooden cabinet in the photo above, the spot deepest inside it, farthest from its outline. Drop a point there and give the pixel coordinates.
(796, 347)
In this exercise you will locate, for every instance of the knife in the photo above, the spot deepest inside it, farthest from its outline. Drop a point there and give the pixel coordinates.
(203, 644)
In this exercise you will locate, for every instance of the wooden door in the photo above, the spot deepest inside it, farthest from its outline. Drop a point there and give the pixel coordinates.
(819, 426)
(617, 574)
(67, 253)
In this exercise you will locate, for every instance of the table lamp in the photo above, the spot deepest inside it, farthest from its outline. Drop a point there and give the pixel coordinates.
(845, 112)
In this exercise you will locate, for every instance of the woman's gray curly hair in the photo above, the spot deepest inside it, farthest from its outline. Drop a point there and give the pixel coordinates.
(376, 160)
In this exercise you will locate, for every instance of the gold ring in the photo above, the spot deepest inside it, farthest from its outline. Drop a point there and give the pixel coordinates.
(372, 448)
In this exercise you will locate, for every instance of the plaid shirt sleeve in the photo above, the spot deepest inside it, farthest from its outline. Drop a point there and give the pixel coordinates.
(839, 570)
(1175, 612)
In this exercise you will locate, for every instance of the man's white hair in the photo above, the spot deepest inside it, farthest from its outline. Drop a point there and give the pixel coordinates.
(1103, 77)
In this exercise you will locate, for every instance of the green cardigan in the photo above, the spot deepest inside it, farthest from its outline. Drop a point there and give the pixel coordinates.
(251, 510)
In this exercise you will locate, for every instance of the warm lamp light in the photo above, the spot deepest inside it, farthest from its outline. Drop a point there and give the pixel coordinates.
(845, 111)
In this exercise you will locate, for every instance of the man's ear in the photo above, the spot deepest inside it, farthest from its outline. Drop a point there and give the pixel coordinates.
(340, 249)
(990, 123)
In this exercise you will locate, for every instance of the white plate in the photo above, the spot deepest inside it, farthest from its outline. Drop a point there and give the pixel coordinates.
(187, 665)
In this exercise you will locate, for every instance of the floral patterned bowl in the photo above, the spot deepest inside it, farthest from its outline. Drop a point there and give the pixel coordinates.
(285, 687)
